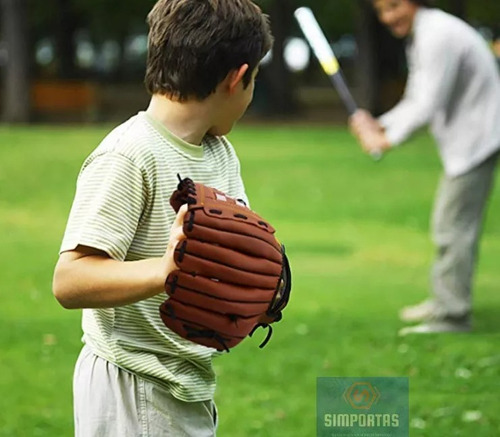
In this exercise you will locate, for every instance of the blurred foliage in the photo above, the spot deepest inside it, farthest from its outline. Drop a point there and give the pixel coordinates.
(70, 27)
(128, 17)
(101, 17)
(339, 17)
(477, 12)
(335, 17)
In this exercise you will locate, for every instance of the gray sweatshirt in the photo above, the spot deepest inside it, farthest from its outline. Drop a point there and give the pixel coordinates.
(453, 85)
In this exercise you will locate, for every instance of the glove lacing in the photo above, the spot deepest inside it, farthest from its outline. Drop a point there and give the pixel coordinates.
(206, 333)
(269, 332)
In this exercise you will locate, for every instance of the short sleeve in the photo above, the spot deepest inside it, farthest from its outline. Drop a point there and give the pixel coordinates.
(108, 204)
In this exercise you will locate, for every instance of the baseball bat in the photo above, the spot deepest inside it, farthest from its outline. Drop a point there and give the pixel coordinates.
(326, 57)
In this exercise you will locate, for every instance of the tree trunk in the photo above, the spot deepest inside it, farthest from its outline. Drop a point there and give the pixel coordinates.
(16, 83)
(280, 80)
(66, 25)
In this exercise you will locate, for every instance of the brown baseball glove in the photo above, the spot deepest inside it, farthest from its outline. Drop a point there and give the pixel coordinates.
(233, 275)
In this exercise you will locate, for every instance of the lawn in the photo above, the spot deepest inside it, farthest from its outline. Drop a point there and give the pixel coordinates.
(356, 233)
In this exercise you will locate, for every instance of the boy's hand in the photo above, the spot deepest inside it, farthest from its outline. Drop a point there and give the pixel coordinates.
(176, 235)
(369, 132)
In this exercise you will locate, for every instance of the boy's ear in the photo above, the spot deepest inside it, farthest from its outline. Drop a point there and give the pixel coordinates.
(234, 77)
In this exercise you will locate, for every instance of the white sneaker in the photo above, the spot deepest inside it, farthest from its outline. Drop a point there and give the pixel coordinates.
(436, 327)
(418, 313)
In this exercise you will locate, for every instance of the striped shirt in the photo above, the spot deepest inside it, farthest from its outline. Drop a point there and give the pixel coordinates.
(454, 86)
(121, 207)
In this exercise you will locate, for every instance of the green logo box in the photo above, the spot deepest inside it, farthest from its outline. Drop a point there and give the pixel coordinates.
(362, 407)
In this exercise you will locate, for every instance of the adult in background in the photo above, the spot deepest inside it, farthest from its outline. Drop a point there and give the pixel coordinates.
(454, 86)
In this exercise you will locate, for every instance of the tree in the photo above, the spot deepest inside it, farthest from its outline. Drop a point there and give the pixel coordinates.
(281, 93)
(127, 19)
(65, 29)
(15, 86)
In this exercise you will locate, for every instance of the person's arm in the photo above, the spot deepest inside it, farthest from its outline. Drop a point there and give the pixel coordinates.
(434, 64)
(88, 278)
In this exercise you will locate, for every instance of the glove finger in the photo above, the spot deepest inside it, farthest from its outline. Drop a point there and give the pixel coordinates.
(230, 291)
(230, 258)
(213, 270)
(264, 232)
(226, 265)
(216, 296)
(250, 245)
(200, 336)
(202, 319)
(194, 332)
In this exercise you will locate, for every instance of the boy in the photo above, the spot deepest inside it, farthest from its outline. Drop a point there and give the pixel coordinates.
(134, 376)
(453, 85)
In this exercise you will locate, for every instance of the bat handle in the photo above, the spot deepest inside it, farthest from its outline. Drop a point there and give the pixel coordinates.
(350, 104)
(344, 93)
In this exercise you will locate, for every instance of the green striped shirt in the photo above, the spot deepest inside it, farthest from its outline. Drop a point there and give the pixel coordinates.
(121, 206)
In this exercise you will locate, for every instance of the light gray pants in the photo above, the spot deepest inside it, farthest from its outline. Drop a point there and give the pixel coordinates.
(110, 402)
(457, 221)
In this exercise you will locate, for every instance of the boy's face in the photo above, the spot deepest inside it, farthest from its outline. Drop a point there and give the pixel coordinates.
(396, 15)
(236, 105)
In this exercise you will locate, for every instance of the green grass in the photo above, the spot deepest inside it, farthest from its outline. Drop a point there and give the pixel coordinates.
(357, 237)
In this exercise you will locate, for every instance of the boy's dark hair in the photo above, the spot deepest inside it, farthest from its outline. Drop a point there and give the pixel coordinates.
(194, 44)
